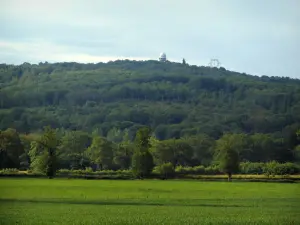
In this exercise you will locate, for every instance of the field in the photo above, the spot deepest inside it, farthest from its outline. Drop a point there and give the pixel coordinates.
(62, 201)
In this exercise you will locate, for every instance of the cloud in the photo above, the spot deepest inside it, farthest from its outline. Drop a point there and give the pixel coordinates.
(44, 51)
(252, 36)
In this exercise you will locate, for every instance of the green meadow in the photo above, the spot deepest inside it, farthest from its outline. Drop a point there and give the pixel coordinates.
(67, 201)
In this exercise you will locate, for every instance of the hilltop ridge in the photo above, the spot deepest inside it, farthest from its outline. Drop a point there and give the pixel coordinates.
(173, 99)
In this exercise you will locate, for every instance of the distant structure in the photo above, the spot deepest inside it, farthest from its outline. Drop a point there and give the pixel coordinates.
(214, 63)
(163, 57)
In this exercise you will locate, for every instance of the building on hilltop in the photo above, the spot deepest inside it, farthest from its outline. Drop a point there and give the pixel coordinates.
(163, 57)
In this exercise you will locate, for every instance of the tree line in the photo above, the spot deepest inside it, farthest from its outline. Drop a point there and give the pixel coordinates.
(54, 149)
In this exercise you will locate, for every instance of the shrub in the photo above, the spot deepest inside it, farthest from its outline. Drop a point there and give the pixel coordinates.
(270, 168)
(165, 170)
(212, 170)
(286, 168)
(252, 168)
(275, 168)
(9, 171)
(199, 170)
(63, 172)
(179, 170)
(89, 169)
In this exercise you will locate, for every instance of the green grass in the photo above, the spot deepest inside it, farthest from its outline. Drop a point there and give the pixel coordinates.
(59, 201)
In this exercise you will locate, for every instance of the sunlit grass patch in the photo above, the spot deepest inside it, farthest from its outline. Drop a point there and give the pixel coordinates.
(61, 201)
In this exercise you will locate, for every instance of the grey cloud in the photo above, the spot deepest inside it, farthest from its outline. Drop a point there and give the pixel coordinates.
(253, 36)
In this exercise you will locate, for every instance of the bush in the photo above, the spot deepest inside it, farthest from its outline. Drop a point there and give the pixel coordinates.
(275, 168)
(270, 168)
(180, 170)
(63, 172)
(114, 172)
(165, 170)
(212, 170)
(199, 170)
(287, 168)
(252, 168)
(89, 171)
(9, 171)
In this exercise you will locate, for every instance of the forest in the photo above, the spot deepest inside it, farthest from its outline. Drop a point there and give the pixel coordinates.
(97, 111)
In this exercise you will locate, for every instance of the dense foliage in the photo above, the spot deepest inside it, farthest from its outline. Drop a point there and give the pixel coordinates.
(80, 151)
(197, 116)
(173, 99)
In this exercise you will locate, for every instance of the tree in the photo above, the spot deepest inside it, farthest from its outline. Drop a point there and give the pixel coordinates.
(142, 159)
(50, 142)
(123, 152)
(114, 135)
(183, 152)
(291, 141)
(183, 61)
(227, 152)
(26, 140)
(262, 148)
(100, 152)
(202, 146)
(297, 148)
(38, 158)
(43, 152)
(11, 149)
(122, 157)
(164, 152)
(71, 149)
(175, 151)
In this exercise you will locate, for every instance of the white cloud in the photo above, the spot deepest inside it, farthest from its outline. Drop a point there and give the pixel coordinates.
(44, 51)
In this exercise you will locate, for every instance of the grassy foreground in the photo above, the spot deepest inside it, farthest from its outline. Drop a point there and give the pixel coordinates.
(62, 201)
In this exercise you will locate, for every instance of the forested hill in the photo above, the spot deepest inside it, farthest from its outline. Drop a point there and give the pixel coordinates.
(174, 99)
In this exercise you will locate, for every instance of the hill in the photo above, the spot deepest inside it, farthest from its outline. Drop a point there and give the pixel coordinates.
(172, 98)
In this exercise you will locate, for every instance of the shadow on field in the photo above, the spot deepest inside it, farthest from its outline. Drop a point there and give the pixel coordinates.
(113, 202)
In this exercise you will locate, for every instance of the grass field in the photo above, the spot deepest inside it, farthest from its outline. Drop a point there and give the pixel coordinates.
(62, 201)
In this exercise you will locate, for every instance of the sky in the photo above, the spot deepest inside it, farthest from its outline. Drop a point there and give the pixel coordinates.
(252, 36)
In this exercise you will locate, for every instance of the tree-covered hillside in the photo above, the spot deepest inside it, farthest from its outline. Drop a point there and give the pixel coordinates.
(174, 99)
